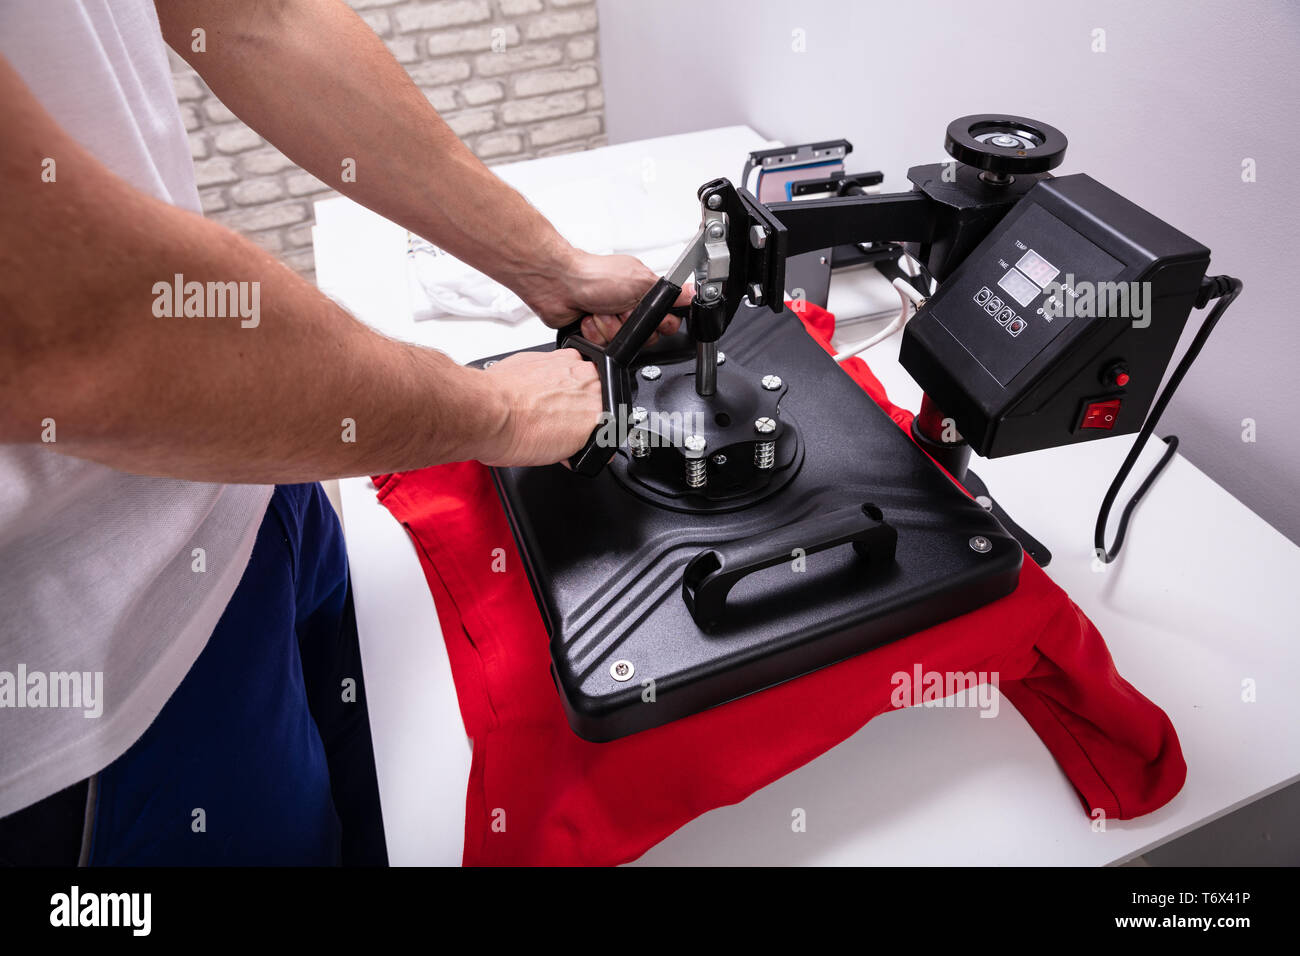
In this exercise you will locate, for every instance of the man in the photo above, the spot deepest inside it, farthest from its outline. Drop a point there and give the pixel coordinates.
(157, 545)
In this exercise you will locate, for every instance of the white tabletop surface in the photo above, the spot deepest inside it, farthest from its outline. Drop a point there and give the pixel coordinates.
(1205, 596)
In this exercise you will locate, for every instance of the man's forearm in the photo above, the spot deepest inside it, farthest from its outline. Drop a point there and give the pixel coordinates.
(87, 360)
(315, 80)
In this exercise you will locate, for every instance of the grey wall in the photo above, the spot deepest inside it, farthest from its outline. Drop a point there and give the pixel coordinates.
(1183, 94)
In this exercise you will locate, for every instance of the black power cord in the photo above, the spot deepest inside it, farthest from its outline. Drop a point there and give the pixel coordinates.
(1221, 288)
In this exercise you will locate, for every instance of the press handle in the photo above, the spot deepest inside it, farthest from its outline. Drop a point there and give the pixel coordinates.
(711, 574)
(640, 325)
(644, 321)
(611, 364)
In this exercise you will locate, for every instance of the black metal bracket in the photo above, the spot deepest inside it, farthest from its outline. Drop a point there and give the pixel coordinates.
(1032, 546)
(843, 220)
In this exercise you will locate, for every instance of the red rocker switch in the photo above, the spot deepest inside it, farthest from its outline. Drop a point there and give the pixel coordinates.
(1101, 414)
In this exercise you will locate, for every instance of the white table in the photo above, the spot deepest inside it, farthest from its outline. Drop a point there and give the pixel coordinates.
(1205, 596)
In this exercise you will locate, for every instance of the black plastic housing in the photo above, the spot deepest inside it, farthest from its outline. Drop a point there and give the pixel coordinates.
(608, 566)
(1015, 393)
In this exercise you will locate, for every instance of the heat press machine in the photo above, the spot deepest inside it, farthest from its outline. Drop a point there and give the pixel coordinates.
(746, 513)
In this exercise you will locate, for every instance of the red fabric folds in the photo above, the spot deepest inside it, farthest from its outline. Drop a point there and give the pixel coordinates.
(539, 794)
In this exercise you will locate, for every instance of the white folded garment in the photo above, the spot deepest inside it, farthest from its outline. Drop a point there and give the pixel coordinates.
(584, 213)
(444, 287)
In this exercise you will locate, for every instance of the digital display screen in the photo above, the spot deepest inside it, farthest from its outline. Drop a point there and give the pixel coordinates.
(1019, 288)
(1037, 268)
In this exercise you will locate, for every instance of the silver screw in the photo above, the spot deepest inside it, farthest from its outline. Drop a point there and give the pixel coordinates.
(651, 372)
(695, 443)
(719, 459)
(716, 230)
(711, 292)
(757, 236)
(772, 382)
(765, 426)
(981, 544)
(714, 201)
(755, 293)
(722, 358)
(621, 670)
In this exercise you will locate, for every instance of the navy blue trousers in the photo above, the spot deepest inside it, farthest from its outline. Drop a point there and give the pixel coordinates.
(263, 754)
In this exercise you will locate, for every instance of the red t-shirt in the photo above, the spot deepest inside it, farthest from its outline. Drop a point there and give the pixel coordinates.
(539, 794)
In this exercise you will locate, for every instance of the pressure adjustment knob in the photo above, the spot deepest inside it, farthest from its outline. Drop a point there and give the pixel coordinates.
(1003, 145)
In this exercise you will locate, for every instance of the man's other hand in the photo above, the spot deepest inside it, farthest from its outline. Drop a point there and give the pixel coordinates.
(551, 405)
(602, 291)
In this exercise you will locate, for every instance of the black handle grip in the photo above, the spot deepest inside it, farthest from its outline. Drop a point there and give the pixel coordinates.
(711, 574)
(615, 392)
(644, 320)
(650, 301)
(573, 329)
(612, 365)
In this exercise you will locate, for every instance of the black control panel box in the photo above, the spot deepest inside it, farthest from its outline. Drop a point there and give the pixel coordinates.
(1059, 326)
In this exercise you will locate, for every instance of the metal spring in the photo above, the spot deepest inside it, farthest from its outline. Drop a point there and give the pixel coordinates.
(764, 455)
(697, 472)
(637, 440)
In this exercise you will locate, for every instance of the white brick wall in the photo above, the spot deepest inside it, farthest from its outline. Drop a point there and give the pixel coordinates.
(514, 79)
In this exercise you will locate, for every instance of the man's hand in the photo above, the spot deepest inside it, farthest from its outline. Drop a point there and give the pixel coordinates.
(551, 405)
(602, 290)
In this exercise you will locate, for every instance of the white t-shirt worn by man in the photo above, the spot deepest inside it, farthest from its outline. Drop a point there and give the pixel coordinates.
(102, 608)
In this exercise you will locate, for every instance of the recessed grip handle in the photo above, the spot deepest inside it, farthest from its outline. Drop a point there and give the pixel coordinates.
(711, 574)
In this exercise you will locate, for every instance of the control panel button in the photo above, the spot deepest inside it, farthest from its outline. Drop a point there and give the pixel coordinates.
(983, 295)
(993, 306)
(1005, 316)
(1101, 414)
(1016, 326)
(1116, 374)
